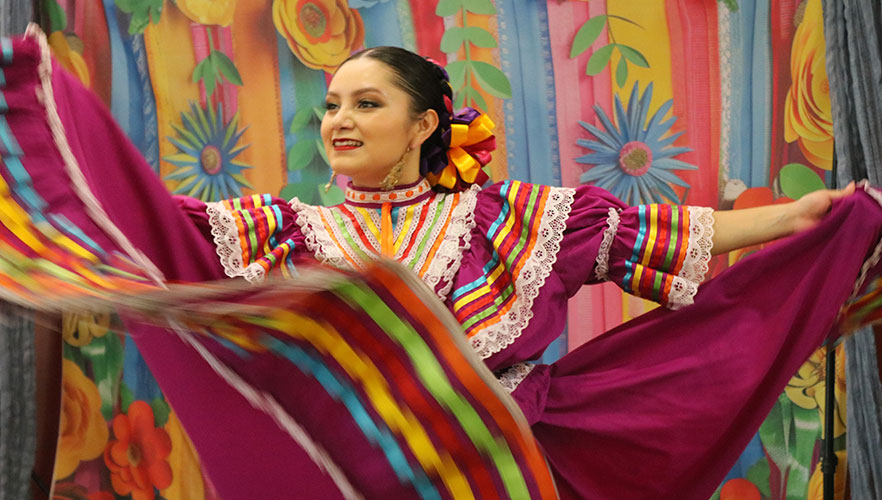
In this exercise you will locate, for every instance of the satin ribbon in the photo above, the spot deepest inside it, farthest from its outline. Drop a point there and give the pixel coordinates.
(469, 151)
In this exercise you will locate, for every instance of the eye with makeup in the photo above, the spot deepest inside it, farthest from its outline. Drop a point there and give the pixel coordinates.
(366, 103)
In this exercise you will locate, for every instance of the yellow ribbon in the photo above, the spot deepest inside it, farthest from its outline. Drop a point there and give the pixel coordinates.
(458, 159)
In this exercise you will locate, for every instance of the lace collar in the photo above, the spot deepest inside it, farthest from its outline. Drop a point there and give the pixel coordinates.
(401, 195)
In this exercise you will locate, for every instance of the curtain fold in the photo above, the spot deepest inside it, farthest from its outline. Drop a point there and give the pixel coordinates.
(17, 403)
(854, 69)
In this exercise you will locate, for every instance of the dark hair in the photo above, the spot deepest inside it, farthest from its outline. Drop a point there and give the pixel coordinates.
(427, 84)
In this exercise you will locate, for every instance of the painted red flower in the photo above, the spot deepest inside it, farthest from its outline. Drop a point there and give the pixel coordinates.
(137, 458)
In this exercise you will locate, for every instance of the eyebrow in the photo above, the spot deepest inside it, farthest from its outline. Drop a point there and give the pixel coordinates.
(360, 91)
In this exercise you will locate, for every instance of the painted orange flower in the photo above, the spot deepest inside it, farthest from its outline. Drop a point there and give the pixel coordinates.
(321, 33)
(807, 115)
(214, 12)
(137, 458)
(82, 433)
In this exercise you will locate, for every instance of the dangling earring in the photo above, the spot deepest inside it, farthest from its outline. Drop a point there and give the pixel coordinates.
(394, 175)
(331, 182)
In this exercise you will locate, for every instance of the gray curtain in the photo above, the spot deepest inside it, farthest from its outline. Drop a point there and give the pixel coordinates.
(17, 404)
(17, 382)
(14, 16)
(854, 67)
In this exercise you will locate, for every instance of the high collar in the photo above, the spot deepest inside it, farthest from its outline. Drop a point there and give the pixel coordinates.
(407, 194)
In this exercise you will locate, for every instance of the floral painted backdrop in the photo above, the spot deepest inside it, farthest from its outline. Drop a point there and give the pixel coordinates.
(723, 104)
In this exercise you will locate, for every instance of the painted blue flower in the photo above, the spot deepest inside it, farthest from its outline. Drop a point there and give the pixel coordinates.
(632, 161)
(207, 148)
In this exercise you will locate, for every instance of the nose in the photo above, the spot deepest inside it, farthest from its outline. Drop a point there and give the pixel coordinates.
(342, 118)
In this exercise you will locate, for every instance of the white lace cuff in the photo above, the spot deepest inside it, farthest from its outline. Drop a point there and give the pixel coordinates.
(228, 246)
(698, 255)
(511, 378)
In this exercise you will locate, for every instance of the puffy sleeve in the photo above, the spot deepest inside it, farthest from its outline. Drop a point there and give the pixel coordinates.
(532, 247)
(253, 235)
(657, 252)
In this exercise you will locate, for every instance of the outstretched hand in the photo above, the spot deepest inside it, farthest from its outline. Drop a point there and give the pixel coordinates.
(811, 208)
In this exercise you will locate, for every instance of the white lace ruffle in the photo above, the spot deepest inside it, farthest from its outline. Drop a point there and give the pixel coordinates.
(609, 234)
(447, 259)
(536, 269)
(511, 378)
(698, 255)
(317, 240)
(228, 246)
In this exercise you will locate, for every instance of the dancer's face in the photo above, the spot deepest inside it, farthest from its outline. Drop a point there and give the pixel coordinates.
(369, 125)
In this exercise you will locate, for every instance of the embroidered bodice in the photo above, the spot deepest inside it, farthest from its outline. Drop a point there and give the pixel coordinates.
(498, 257)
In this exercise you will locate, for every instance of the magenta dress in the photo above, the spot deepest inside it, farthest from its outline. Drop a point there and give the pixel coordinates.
(659, 407)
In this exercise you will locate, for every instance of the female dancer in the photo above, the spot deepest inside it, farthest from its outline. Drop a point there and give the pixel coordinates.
(661, 406)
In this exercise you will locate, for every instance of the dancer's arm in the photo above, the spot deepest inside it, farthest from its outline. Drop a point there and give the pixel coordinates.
(734, 229)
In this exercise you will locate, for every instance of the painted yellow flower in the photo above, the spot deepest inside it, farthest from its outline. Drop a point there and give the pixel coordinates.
(807, 388)
(807, 115)
(82, 432)
(321, 33)
(78, 329)
(69, 58)
(217, 12)
(816, 482)
(187, 481)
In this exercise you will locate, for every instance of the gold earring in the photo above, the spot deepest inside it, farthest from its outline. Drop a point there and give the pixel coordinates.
(330, 182)
(394, 175)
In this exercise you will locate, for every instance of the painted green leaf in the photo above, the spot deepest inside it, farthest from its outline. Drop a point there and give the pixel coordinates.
(460, 98)
(479, 37)
(798, 180)
(301, 119)
(320, 147)
(633, 55)
(599, 59)
(483, 7)
(587, 35)
(303, 191)
(210, 84)
(334, 196)
(621, 72)
(319, 112)
(731, 4)
(106, 355)
(57, 16)
(199, 70)
(301, 154)
(478, 99)
(126, 397)
(138, 23)
(160, 411)
(227, 67)
(758, 474)
(492, 79)
(457, 71)
(448, 7)
(452, 39)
